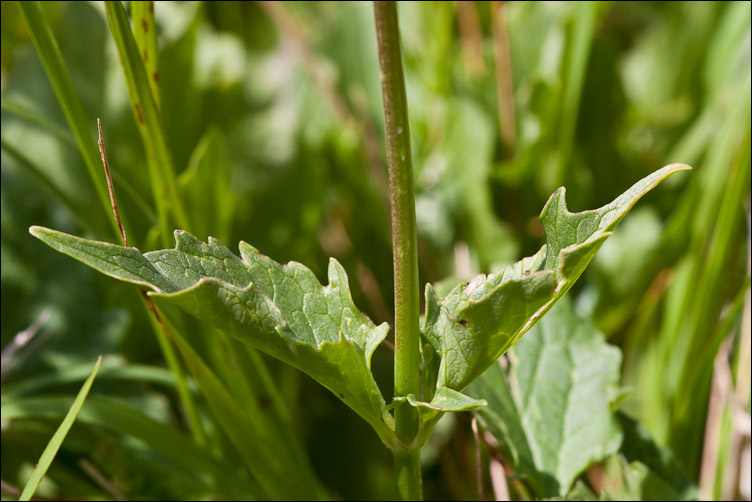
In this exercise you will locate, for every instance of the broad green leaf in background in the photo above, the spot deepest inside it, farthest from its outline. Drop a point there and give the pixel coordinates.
(580, 491)
(652, 472)
(279, 309)
(478, 321)
(554, 417)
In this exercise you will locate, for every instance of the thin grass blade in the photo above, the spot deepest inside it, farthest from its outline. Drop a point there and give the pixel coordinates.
(52, 60)
(148, 120)
(48, 455)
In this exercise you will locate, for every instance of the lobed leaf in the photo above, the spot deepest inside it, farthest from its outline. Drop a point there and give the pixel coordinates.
(279, 309)
(478, 321)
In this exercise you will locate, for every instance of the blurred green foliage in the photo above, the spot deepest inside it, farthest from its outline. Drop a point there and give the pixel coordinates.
(271, 114)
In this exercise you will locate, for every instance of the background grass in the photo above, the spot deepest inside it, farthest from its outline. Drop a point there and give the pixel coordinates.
(270, 118)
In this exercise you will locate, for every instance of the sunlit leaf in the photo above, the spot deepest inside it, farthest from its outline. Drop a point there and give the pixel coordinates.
(279, 309)
(479, 320)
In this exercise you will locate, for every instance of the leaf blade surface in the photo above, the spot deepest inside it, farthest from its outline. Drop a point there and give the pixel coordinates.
(279, 309)
(479, 320)
(554, 417)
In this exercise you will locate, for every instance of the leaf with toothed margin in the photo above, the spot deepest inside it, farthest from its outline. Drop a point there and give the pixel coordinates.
(479, 320)
(279, 309)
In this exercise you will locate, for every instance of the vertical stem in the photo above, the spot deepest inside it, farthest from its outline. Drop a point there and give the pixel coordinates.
(471, 38)
(478, 460)
(404, 246)
(407, 467)
(504, 87)
(194, 420)
(145, 33)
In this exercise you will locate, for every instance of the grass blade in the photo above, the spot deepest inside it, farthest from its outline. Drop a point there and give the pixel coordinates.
(148, 120)
(53, 446)
(37, 119)
(256, 441)
(52, 60)
(145, 33)
(167, 442)
(584, 29)
(29, 166)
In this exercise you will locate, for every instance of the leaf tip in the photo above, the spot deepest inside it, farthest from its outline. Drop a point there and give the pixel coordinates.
(248, 253)
(678, 166)
(558, 198)
(430, 292)
(44, 234)
(337, 275)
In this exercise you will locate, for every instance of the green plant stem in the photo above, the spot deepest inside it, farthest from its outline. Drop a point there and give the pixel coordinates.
(407, 469)
(145, 34)
(181, 383)
(148, 119)
(404, 246)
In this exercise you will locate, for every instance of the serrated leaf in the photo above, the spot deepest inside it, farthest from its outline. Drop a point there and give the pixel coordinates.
(279, 309)
(554, 418)
(478, 321)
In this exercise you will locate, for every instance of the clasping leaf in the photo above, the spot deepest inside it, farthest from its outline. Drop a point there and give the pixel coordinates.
(285, 312)
(479, 320)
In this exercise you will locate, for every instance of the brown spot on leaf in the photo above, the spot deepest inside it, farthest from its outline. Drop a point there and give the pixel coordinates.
(144, 25)
(139, 113)
(151, 7)
(341, 396)
(155, 77)
(527, 272)
(145, 55)
(463, 322)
